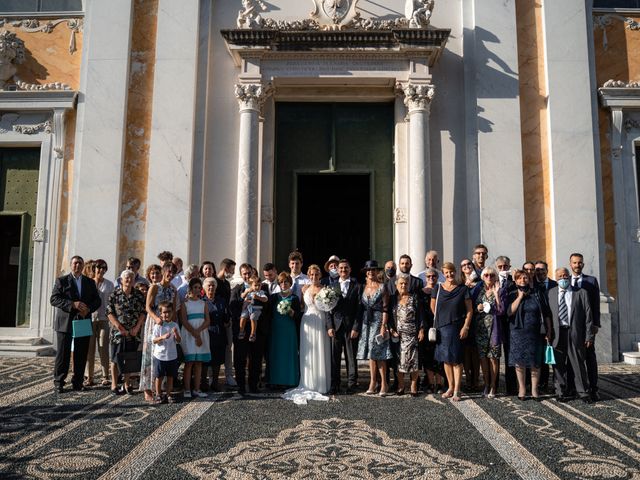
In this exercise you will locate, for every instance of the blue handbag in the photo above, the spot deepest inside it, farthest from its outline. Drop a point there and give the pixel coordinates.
(549, 357)
(82, 328)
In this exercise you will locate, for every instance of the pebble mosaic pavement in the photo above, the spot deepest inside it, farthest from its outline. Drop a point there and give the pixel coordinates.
(94, 434)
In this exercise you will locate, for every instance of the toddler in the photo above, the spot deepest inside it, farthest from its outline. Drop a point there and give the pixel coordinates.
(253, 297)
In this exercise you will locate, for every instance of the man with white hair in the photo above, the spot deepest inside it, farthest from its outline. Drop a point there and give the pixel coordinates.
(431, 260)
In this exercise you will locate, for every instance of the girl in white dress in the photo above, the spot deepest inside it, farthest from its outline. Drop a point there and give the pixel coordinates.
(315, 347)
(195, 338)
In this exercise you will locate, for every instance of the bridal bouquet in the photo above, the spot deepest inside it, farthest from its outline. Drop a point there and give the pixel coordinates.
(284, 307)
(327, 299)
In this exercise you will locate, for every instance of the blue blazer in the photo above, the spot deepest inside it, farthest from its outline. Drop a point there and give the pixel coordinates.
(591, 285)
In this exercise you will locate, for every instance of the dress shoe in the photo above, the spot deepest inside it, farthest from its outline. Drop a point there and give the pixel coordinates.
(79, 388)
(587, 399)
(594, 396)
(58, 389)
(563, 398)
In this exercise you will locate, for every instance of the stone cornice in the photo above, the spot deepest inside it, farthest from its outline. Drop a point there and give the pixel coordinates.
(38, 100)
(620, 96)
(251, 43)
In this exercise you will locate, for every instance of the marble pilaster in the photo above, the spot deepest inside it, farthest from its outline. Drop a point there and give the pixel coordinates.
(173, 129)
(101, 131)
(250, 99)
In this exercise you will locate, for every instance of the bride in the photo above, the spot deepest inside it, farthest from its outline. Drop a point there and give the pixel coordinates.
(315, 348)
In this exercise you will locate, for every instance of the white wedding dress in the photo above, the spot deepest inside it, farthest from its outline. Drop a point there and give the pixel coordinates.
(315, 356)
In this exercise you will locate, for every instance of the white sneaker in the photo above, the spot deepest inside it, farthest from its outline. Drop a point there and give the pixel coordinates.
(200, 394)
(231, 382)
(186, 394)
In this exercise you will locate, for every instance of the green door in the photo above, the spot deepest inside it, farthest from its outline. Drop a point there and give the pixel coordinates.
(334, 181)
(18, 197)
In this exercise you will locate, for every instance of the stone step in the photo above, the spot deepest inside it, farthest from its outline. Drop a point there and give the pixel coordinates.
(632, 358)
(20, 350)
(5, 340)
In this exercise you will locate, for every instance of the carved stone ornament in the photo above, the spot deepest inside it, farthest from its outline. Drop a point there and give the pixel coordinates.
(11, 54)
(400, 215)
(417, 97)
(38, 234)
(631, 124)
(603, 21)
(33, 25)
(251, 96)
(45, 127)
(335, 15)
(620, 84)
(44, 86)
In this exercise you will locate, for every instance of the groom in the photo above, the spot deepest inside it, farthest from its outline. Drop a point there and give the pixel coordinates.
(339, 324)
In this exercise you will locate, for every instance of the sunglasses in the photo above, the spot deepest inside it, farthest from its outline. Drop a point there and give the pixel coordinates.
(432, 276)
(466, 264)
(489, 275)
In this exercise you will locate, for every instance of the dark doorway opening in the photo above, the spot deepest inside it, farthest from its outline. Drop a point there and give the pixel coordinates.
(10, 235)
(333, 218)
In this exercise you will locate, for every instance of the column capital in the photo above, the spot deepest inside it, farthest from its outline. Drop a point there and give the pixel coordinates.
(417, 96)
(251, 96)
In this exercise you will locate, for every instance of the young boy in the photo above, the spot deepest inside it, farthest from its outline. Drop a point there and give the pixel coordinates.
(165, 355)
(251, 309)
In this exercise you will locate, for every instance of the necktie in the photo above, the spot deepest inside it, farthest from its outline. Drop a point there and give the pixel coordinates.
(575, 282)
(563, 312)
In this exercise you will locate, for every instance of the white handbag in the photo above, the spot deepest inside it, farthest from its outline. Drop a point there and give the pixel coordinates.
(433, 333)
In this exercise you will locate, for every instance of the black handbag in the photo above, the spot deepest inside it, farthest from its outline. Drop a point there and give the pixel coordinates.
(130, 359)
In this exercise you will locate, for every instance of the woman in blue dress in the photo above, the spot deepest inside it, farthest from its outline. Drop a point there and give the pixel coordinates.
(373, 329)
(530, 319)
(451, 304)
(284, 369)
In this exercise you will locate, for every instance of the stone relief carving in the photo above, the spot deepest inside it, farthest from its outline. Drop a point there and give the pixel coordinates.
(603, 21)
(417, 96)
(620, 84)
(251, 95)
(335, 15)
(35, 128)
(631, 124)
(400, 215)
(418, 12)
(33, 25)
(11, 54)
(38, 234)
(45, 86)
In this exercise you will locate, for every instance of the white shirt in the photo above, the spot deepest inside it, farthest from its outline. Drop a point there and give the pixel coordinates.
(166, 349)
(78, 281)
(423, 276)
(179, 281)
(567, 301)
(298, 283)
(272, 287)
(576, 281)
(344, 286)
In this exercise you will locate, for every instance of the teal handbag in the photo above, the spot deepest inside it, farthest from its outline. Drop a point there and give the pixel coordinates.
(82, 328)
(549, 357)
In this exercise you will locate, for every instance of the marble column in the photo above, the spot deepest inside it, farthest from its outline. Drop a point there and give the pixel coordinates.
(417, 98)
(250, 98)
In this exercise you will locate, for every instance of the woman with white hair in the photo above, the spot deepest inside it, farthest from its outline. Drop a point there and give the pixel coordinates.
(126, 314)
(488, 305)
(219, 321)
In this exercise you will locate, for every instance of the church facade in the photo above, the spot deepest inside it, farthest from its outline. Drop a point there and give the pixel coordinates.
(247, 129)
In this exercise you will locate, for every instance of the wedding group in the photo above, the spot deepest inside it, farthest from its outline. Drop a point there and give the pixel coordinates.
(290, 331)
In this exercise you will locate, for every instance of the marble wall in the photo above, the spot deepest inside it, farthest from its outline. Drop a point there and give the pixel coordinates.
(616, 49)
(133, 212)
(535, 146)
(63, 255)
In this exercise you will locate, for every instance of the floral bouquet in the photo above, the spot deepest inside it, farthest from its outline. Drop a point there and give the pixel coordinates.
(326, 299)
(284, 307)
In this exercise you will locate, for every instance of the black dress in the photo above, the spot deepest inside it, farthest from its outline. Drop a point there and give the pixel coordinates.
(218, 315)
(451, 311)
(427, 349)
(526, 341)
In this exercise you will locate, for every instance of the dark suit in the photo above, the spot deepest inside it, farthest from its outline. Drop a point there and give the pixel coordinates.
(569, 342)
(415, 285)
(329, 281)
(65, 293)
(510, 379)
(543, 289)
(244, 349)
(591, 286)
(341, 319)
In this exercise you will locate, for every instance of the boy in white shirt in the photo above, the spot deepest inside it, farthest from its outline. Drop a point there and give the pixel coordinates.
(165, 355)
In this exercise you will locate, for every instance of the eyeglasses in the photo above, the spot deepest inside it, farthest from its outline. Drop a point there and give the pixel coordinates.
(489, 275)
(468, 264)
(432, 276)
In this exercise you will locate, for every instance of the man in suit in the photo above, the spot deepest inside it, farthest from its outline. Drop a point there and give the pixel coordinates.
(75, 297)
(339, 324)
(431, 260)
(572, 335)
(270, 282)
(331, 267)
(225, 274)
(480, 255)
(295, 270)
(590, 284)
(240, 346)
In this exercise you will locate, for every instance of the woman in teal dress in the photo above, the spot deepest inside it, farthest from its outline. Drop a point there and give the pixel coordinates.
(284, 368)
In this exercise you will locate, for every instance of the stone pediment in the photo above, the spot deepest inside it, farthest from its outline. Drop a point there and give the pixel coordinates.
(402, 43)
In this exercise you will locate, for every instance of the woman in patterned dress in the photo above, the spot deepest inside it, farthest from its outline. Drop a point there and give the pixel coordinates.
(373, 329)
(488, 305)
(161, 290)
(408, 326)
(125, 312)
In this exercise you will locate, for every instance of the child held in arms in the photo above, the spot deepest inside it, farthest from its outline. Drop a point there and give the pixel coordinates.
(165, 354)
(253, 297)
